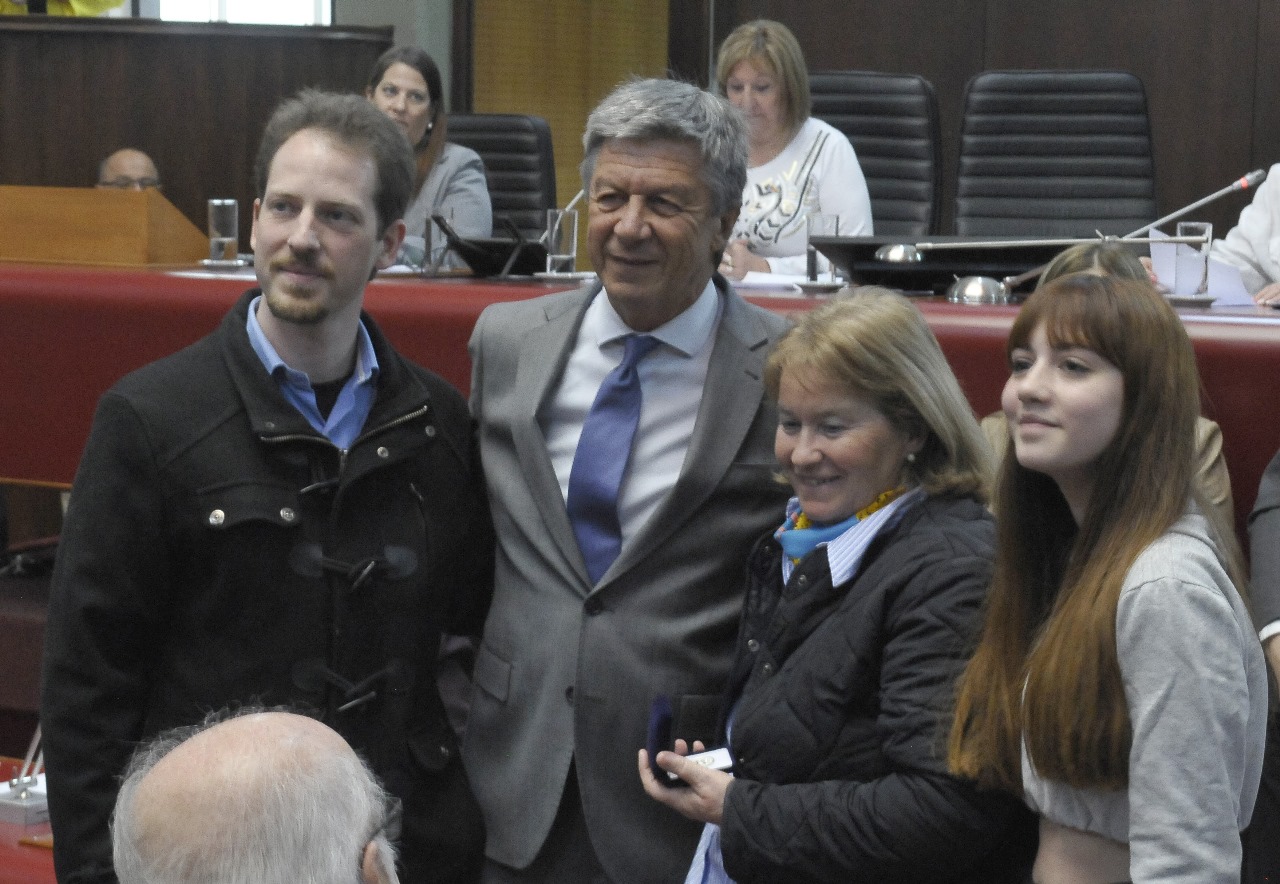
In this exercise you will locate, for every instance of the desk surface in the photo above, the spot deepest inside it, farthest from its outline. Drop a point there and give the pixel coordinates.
(22, 863)
(67, 334)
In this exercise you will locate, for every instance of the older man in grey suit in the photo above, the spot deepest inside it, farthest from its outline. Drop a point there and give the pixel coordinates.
(621, 541)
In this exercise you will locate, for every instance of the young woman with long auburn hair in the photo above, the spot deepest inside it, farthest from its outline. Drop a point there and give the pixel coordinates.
(1118, 684)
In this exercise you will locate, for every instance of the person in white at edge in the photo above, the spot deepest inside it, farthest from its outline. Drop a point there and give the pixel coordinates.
(1253, 245)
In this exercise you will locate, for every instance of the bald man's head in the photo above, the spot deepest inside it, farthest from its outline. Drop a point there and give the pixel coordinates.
(128, 169)
(262, 797)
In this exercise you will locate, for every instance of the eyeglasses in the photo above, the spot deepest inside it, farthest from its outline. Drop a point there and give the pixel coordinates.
(126, 183)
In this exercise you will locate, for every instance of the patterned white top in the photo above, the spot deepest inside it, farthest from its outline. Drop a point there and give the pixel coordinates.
(817, 172)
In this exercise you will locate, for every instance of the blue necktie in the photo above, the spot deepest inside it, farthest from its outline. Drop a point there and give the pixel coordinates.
(604, 448)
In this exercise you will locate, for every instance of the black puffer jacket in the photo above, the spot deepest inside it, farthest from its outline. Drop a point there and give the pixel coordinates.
(219, 551)
(839, 731)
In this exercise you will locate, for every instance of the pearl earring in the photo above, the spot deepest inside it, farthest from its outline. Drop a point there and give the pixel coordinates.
(911, 457)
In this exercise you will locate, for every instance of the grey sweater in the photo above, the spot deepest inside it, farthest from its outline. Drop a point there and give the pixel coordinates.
(1196, 687)
(456, 188)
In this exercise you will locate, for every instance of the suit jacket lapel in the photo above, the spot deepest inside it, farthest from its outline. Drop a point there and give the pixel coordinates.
(730, 401)
(543, 354)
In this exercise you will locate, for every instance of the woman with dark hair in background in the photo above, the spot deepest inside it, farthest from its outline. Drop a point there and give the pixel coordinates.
(796, 164)
(450, 181)
(1119, 685)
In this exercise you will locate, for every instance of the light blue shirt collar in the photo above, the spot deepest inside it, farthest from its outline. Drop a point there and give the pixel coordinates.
(350, 411)
(844, 554)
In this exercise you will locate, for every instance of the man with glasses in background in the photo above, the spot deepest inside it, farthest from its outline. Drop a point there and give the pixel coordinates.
(128, 169)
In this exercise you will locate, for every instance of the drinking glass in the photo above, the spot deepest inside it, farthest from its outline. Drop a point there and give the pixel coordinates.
(821, 224)
(1191, 261)
(562, 240)
(224, 230)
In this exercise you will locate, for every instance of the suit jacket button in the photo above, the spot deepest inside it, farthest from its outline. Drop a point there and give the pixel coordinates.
(753, 645)
(802, 581)
(593, 606)
(767, 669)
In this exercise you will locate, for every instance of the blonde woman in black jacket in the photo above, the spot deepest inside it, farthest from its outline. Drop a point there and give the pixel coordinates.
(859, 611)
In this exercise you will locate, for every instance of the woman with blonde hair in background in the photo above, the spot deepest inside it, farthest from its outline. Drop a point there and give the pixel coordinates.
(796, 164)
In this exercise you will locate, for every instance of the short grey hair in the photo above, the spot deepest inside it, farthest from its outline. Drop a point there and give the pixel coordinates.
(304, 822)
(645, 110)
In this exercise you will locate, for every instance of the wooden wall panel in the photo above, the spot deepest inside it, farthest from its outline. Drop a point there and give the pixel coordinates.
(688, 43)
(193, 96)
(1263, 86)
(557, 59)
(1196, 61)
(1212, 78)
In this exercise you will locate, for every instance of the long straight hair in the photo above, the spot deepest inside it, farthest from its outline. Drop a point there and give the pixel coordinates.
(1046, 668)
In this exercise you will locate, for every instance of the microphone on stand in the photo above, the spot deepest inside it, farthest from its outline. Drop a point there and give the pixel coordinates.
(1253, 179)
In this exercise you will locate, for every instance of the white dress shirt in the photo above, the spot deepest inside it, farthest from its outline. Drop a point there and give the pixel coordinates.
(671, 383)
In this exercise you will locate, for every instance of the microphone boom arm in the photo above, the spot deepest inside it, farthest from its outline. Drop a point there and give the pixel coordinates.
(1253, 179)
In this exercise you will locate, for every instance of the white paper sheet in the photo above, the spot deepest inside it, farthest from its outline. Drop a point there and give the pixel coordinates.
(1225, 284)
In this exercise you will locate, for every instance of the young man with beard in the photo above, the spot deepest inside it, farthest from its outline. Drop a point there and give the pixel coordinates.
(286, 512)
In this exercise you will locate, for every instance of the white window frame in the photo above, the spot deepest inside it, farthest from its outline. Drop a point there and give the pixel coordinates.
(322, 12)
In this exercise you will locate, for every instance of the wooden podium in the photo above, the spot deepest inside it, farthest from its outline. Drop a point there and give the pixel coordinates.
(100, 226)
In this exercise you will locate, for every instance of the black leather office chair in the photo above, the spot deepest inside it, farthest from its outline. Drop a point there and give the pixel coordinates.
(519, 163)
(892, 122)
(1054, 153)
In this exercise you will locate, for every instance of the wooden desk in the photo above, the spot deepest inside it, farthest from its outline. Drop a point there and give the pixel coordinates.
(22, 863)
(67, 334)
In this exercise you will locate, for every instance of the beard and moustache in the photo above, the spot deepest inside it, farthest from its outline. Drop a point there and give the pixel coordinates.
(297, 310)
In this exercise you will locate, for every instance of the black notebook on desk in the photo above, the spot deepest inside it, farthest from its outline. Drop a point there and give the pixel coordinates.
(937, 268)
(496, 256)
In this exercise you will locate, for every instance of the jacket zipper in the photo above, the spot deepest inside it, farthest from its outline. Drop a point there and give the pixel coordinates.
(343, 452)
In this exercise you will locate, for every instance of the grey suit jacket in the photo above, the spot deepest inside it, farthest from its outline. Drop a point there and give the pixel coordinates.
(1264, 546)
(566, 671)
